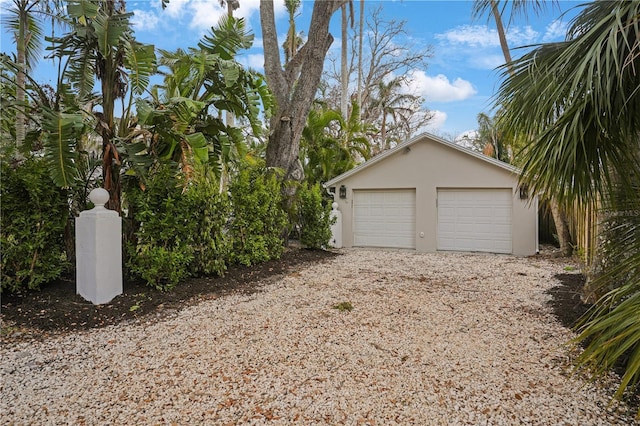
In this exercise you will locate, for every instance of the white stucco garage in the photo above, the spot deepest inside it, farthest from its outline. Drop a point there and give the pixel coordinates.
(431, 195)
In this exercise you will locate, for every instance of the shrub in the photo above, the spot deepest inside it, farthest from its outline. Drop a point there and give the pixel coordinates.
(314, 216)
(34, 213)
(209, 213)
(258, 220)
(177, 229)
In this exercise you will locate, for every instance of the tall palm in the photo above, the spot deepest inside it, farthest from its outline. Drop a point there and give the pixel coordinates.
(360, 38)
(231, 5)
(497, 9)
(344, 68)
(23, 20)
(393, 105)
(293, 41)
(578, 102)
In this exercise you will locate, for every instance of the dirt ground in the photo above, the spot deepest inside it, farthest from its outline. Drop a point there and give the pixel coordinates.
(58, 309)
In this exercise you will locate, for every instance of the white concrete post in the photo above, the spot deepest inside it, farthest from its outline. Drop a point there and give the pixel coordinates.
(99, 251)
(336, 228)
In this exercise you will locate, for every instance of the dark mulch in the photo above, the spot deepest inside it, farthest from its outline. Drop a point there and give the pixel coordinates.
(56, 308)
(566, 303)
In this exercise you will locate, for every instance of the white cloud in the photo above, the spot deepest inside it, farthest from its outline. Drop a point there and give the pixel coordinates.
(518, 36)
(203, 14)
(176, 8)
(481, 36)
(488, 61)
(254, 61)
(437, 122)
(557, 30)
(471, 35)
(143, 20)
(206, 14)
(439, 88)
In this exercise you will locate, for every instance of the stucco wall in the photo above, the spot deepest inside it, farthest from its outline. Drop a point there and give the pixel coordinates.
(426, 166)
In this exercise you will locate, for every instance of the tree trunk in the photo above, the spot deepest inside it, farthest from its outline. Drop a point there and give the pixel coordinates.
(344, 76)
(295, 86)
(21, 59)
(562, 228)
(559, 218)
(360, 58)
(501, 34)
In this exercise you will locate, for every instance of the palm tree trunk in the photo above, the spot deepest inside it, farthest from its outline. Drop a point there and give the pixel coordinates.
(21, 96)
(562, 228)
(360, 59)
(559, 218)
(344, 77)
(501, 33)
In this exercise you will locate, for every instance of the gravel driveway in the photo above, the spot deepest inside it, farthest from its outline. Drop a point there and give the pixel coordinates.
(432, 339)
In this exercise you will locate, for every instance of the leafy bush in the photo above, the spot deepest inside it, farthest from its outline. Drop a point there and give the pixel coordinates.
(33, 214)
(178, 230)
(258, 219)
(315, 217)
(209, 212)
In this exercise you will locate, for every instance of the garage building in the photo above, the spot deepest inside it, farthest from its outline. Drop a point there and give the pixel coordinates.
(430, 195)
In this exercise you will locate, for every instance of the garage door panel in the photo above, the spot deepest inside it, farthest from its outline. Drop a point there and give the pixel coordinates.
(384, 218)
(475, 220)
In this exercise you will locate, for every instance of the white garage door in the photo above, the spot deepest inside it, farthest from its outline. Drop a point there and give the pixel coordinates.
(474, 220)
(384, 218)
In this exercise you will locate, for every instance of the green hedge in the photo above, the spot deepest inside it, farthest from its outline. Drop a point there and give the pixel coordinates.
(33, 214)
(258, 221)
(315, 217)
(178, 229)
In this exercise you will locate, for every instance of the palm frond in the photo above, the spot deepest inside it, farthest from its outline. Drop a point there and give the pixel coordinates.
(141, 62)
(578, 104)
(227, 38)
(61, 135)
(109, 29)
(82, 10)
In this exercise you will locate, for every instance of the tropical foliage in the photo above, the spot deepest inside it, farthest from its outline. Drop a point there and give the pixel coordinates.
(33, 216)
(314, 217)
(178, 228)
(578, 103)
(258, 223)
(331, 145)
(101, 46)
(184, 121)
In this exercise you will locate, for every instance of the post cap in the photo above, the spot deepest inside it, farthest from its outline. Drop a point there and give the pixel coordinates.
(99, 197)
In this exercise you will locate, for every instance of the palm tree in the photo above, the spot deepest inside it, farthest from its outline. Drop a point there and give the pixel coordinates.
(344, 68)
(392, 104)
(231, 5)
(520, 7)
(101, 45)
(360, 38)
(183, 123)
(27, 34)
(578, 103)
(495, 141)
(293, 41)
(331, 145)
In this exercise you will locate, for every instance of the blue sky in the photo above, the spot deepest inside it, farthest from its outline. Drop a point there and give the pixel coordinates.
(458, 83)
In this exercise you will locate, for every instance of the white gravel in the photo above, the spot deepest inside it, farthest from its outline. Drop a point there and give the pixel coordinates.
(432, 339)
